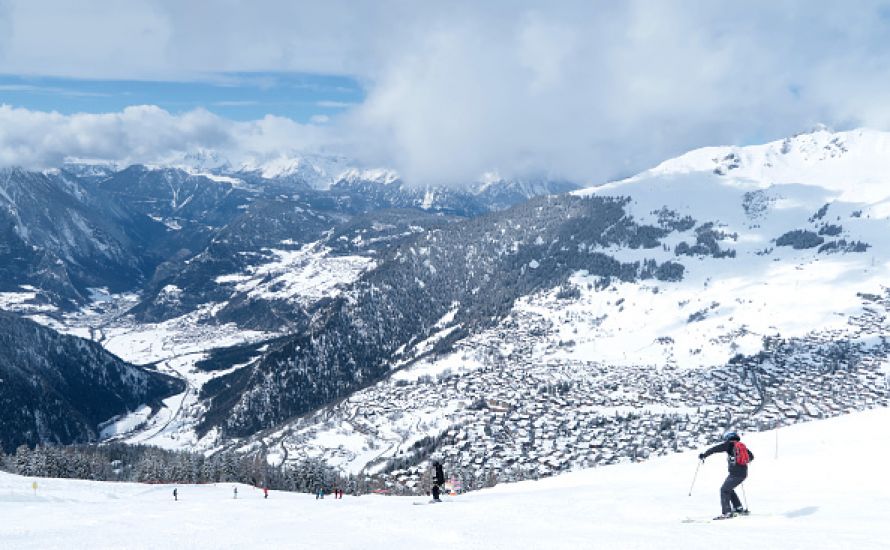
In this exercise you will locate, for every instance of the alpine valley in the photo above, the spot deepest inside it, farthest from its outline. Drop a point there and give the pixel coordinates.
(307, 308)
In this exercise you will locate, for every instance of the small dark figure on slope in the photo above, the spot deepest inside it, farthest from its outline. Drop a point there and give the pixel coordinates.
(438, 480)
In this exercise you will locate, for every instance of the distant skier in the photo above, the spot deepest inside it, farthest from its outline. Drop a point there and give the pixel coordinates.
(738, 457)
(265, 492)
(319, 494)
(438, 480)
(440, 473)
(175, 495)
(234, 492)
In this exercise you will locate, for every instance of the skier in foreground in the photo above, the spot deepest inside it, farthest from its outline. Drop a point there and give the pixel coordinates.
(738, 457)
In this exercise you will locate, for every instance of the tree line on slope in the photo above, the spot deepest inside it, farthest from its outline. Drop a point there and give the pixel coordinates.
(144, 464)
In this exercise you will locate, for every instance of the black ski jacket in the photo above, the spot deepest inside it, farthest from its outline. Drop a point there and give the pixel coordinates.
(727, 447)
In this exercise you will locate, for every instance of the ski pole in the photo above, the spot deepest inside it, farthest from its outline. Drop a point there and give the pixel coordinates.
(744, 496)
(695, 476)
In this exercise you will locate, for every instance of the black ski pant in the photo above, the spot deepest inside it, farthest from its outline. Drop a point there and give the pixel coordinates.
(728, 495)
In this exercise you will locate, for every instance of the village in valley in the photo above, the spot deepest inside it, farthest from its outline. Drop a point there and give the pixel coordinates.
(525, 411)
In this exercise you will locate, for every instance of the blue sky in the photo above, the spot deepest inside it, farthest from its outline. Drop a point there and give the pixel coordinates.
(302, 97)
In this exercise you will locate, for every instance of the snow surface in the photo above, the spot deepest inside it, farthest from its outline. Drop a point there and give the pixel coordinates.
(24, 301)
(302, 276)
(125, 423)
(854, 163)
(819, 485)
(725, 306)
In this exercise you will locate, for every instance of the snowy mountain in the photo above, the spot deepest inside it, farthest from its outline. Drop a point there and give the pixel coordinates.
(133, 229)
(310, 171)
(371, 324)
(501, 193)
(60, 239)
(96, 249)
(623, 506)
(59, 388)
(701, 297)
(852, 163)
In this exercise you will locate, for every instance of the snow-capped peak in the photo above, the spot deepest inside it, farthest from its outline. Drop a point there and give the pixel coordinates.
(855, 163)
(382, 176)
(288, 166)
(315, 170)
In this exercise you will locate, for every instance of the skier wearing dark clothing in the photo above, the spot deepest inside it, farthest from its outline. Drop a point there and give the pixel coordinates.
(175, 495)
(438, 479)
(440, 473)
(738, 457)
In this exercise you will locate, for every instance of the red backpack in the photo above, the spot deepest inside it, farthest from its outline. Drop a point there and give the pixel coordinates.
(740, 453)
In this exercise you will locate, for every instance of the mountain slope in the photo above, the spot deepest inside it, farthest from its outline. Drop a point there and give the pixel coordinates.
(56, 237)
(59, 389)
(466, 266)
(852, 163)
(731, 300)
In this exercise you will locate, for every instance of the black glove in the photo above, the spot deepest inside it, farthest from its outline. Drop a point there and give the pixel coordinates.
(701, 456)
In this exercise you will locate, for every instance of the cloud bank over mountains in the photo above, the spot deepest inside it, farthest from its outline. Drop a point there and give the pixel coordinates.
(142, 134)
(584, 90)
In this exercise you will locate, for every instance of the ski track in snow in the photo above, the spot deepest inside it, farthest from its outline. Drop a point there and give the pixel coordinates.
(826, 489)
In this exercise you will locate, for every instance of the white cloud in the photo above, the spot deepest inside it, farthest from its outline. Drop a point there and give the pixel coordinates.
(329, 104)
(142, 134)
(596, 90)
(584, 89)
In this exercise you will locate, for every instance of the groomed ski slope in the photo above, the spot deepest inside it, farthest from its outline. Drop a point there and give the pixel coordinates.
(828, 488)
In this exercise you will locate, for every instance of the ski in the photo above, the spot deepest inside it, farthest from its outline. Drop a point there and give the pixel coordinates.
(721, 518)
(704, 520)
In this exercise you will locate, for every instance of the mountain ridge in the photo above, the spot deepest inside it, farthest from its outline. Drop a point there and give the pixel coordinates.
(549, 324)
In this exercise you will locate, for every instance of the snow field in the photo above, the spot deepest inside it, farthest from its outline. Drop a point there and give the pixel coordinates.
(828, 488)
(301, 276)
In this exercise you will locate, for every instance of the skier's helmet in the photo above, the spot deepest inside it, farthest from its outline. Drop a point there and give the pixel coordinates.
(731, 436)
